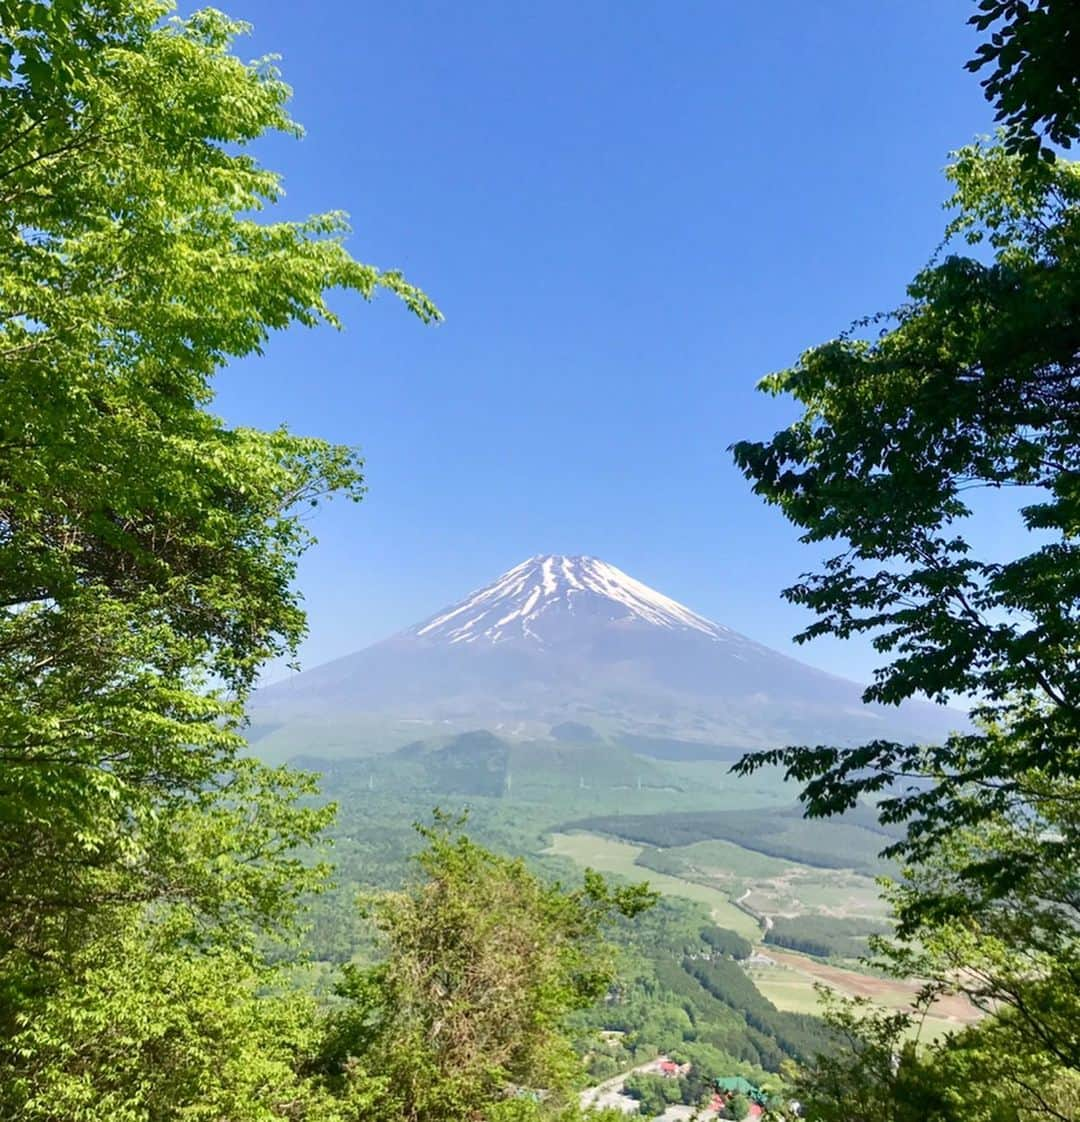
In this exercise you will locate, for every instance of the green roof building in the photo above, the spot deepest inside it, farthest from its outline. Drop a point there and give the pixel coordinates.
(736, 1084)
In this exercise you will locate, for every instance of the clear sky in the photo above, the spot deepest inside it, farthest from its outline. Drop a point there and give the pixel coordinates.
(628, 212)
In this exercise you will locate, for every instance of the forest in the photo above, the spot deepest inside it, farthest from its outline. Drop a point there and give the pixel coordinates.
(825, 936)
(852, 842)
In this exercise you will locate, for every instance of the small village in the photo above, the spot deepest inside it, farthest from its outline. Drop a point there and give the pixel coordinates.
(657, 1083)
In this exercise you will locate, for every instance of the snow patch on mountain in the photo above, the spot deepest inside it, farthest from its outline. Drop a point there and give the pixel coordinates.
(548, 586)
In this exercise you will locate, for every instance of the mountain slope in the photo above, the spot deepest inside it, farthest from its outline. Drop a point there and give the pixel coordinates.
(548, 598)
(559, 639)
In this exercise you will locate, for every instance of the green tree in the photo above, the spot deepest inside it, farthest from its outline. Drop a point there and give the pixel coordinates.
(147, 550)
(975, 385)
(147, 557)
(738, 1107)
(654, 1093)
(147, 1026)
(1010, 944)
(483, 964)
(882, 1076)
(1034, 84)
(889, 1073)
(972, 384)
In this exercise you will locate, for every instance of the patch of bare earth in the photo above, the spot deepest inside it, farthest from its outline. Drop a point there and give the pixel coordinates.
(953, 1007)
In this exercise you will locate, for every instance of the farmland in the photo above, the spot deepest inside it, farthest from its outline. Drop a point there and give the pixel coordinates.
(729, 870)
(607, 855)
(789, 984)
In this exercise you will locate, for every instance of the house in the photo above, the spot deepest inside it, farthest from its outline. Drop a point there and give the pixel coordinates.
(736, 1084)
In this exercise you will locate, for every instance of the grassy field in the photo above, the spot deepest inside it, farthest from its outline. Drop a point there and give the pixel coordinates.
(787, 989)
(724, 858)
(833, 892)
(854, 841)
(790, 985)
(771, 885)
(609, 856)
(795, 992)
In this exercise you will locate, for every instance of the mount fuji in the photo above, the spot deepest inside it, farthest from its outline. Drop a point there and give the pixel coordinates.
(563, 642)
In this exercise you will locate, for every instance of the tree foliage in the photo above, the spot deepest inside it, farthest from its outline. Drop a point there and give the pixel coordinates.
(890, 1073)
(737, 1107)
(825, 936)
(147, 550)
(654, 1093)
(483, 964)
(147, 558)
(975, 385)
(777, 832)
(1009, 940)
(972, 385)
(1034, 83)
(464, 1017)
(148, 1026)
(725, 942)
(798, 1035)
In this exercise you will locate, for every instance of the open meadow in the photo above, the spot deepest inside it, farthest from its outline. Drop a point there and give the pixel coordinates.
(790, 984)
(789, 981)
(607, 855)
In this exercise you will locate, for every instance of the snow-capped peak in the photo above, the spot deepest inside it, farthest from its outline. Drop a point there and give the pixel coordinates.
(532, 598)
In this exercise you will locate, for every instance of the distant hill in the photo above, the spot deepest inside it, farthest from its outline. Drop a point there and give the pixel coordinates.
(478, 763)
(572, 647)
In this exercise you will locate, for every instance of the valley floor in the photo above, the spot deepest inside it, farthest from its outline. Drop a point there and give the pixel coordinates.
(787, 978)
(789, 984)
(607, 855)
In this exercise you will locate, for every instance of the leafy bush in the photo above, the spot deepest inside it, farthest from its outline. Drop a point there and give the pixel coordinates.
(654, 1093)
(738, 1107)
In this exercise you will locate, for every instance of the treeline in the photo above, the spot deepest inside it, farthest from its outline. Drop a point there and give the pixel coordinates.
(799, 1036)
(852, 841)
(656, 1006)
(825, 936)
(716, 1022)
(479, 764)
(726, 943)
(661, 861)
(683, 988)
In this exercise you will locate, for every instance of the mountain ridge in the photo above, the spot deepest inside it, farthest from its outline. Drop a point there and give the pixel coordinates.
(545, 581)
(561, 638)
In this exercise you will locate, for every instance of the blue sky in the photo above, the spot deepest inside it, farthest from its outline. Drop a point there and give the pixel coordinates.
(628, 213)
